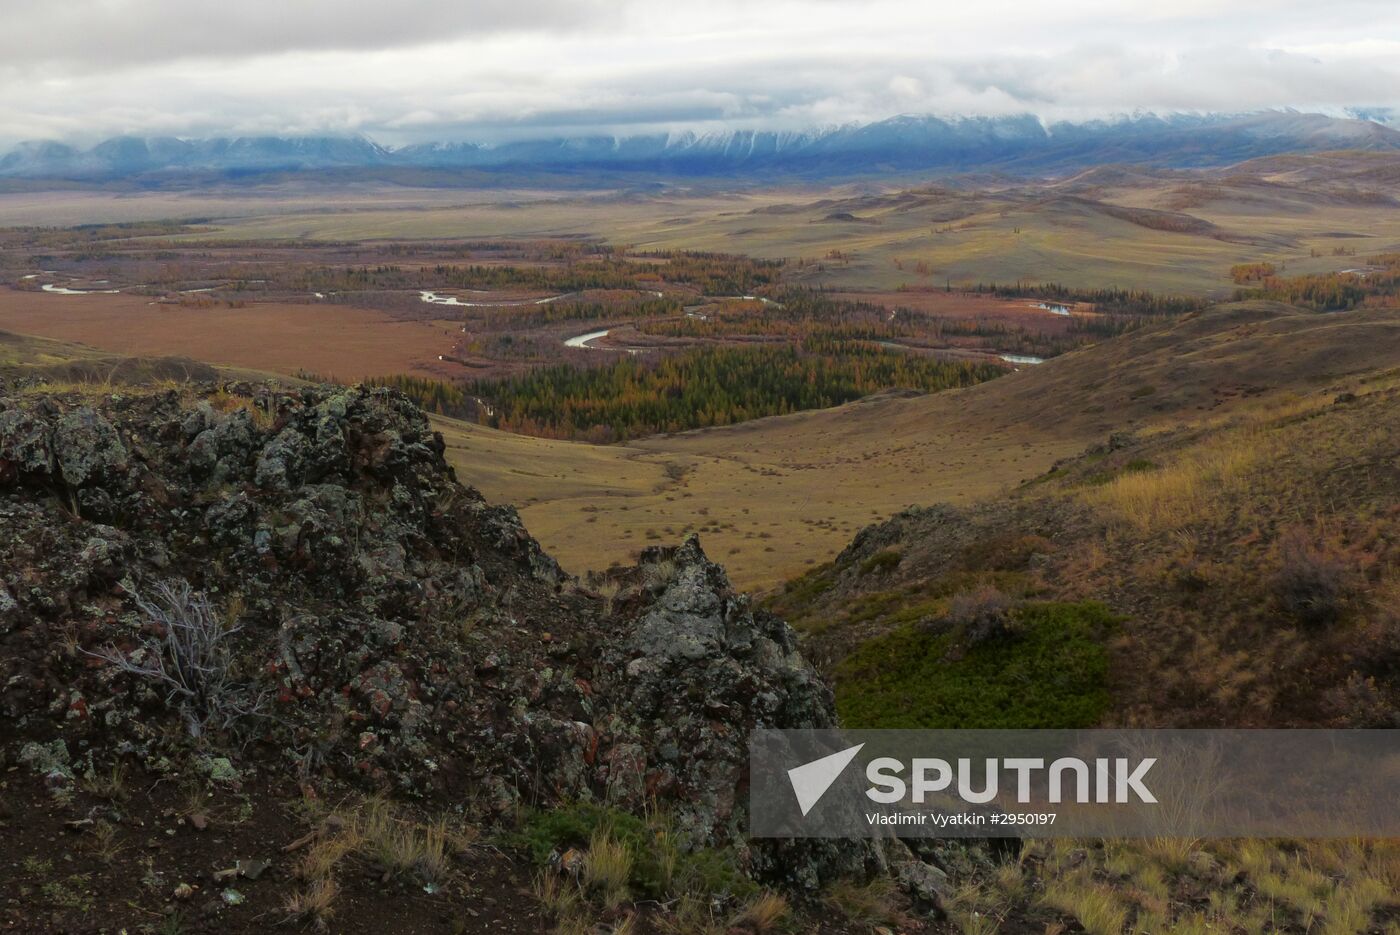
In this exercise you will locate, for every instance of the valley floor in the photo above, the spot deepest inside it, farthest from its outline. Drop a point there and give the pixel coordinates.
(769, 498)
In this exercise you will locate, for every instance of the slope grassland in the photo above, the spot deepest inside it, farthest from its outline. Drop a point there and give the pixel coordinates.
(1247, 552)
(1241, 569)
(1187, 887)
(773, 496)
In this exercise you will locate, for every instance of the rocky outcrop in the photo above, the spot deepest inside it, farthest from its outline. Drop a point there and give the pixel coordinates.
(389, 629)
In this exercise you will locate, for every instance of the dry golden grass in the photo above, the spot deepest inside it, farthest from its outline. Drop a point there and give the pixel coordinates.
(1247, 886)
(558, 895)
(1180, 493)
(103, 842)
(607, 869)
(1094, 906)
(766, 913)
(324, 856)
(868, 904)
(1219, 467)
(768, 498)
(314, 904)
(111, 785)
(401, 846)
(368, 834)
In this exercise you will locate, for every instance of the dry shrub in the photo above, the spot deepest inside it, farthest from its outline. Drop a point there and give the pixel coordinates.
(1005, 552)
(191, 659)
(1360, 702)
(1313, 582)
(984, 614)
(1379, 640)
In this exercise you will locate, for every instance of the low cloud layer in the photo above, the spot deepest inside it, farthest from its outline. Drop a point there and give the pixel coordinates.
(502, 69)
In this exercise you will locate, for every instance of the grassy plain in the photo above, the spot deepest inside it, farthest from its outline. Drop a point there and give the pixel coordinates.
(1162, 231)
(347, 343)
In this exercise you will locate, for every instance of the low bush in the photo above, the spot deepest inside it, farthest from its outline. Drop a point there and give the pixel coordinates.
(1054, 675)
(881, 562)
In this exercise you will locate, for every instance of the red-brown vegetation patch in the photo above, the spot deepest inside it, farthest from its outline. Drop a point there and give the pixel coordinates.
(342, 341)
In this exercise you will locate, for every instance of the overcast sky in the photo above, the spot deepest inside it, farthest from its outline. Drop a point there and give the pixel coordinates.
(411, 70)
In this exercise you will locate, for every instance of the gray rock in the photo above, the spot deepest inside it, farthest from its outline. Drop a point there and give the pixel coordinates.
(9, 609)
(86, 446)
(928, 886)
(24, 441)
(694, 674)
(283, 461)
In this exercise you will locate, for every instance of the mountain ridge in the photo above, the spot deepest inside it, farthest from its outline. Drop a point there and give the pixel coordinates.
(1017, 144)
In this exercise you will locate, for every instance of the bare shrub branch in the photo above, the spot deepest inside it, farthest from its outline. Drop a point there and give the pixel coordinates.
(189, 654)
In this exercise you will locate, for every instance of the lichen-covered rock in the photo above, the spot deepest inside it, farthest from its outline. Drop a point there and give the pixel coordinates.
(392, 630)
(9, 608)
(24, 445)
(282, 461)
(696, 669)
(86, 446)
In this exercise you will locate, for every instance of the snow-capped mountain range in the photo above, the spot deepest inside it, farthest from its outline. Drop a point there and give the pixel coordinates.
(908, 143)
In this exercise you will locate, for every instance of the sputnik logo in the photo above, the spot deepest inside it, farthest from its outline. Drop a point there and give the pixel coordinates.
(811, 780)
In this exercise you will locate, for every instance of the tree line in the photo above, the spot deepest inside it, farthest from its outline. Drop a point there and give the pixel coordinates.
(1112, 299)
(1333, 292)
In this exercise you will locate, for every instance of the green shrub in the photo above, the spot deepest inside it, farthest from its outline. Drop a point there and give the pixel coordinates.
(1054, 674)
(799, 594)
(660, 868)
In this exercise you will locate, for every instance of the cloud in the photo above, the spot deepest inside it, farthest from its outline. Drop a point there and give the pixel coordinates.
(96, 35)
(501, 69)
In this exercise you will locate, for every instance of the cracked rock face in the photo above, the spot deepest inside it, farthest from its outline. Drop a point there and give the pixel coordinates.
(395, 632)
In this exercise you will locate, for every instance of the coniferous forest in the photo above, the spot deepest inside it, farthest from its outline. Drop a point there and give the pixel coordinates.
(709, 386)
